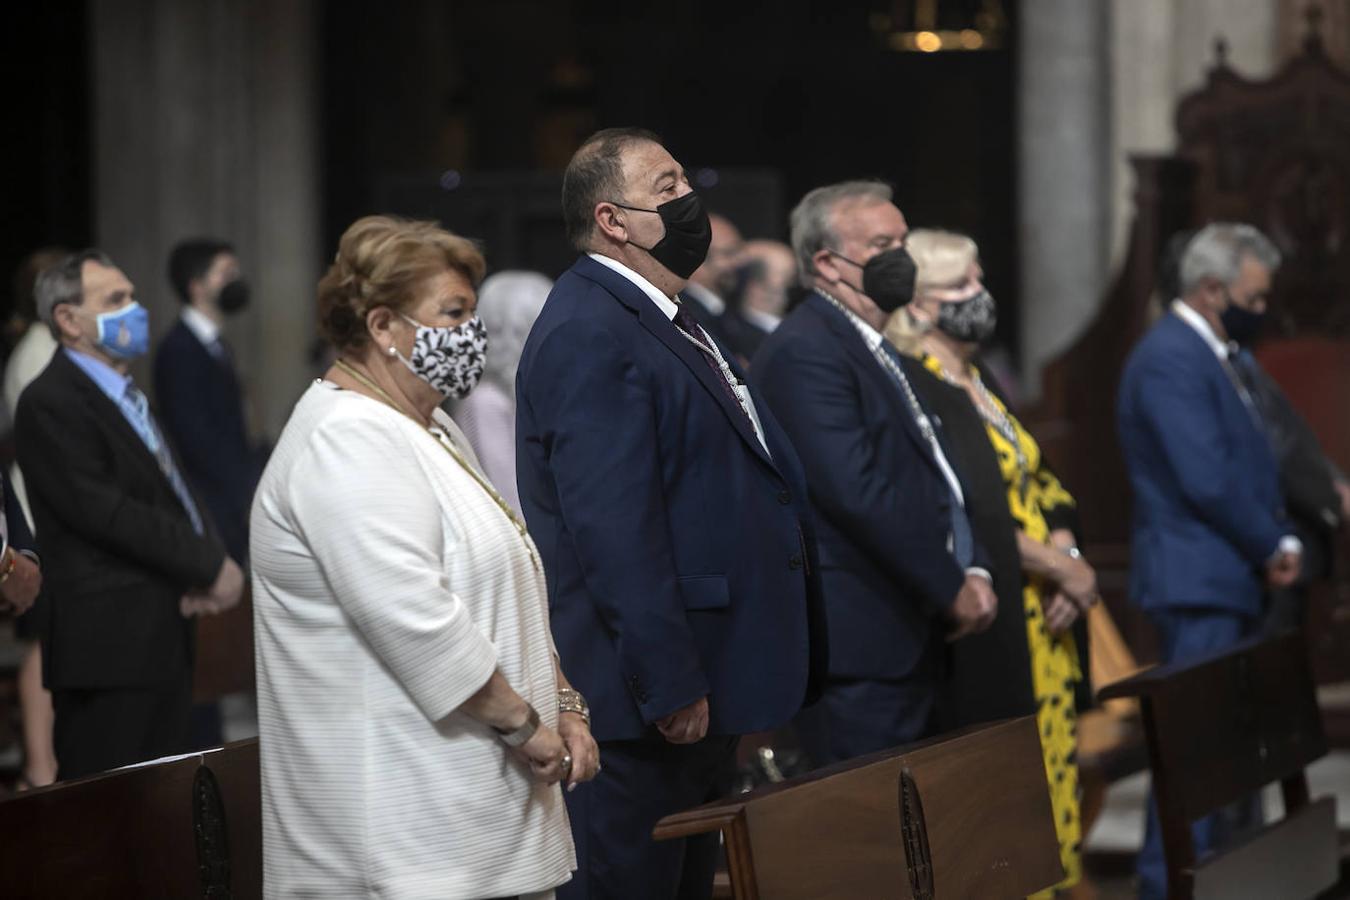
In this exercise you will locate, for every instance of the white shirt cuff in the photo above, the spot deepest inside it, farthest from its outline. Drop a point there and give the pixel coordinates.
(1290, 544)
(983, 573)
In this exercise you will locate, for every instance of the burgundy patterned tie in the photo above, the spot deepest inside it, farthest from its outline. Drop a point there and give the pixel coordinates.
(685, 321)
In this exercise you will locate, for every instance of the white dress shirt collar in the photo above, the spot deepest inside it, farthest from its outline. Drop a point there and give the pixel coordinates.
(870, 335)
(1201, 327)
(663, 303)
(200, 324)
(705, 298)
(669, 308)
(765, 320)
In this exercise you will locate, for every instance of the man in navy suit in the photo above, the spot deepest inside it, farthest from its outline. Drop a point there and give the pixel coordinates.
(200, 403)
(671, 514)
(900, 567)
(1208, 519)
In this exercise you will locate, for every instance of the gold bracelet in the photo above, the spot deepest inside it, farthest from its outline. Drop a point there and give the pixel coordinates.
(570, 700)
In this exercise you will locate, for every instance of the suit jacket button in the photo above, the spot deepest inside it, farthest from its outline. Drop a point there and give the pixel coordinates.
(784, 497)
(795, 561)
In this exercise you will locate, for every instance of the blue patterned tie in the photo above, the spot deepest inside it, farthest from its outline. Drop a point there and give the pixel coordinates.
(134, 402)
(963, 541)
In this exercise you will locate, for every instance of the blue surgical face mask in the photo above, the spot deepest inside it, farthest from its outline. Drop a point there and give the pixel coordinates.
(125, 333)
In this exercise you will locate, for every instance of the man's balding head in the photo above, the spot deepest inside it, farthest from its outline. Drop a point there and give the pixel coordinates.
(594, 175)
(770, 269)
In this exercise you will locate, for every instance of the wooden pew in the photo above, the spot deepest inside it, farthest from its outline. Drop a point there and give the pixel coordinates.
(1219, 729)
(191, 827)
(966, 815)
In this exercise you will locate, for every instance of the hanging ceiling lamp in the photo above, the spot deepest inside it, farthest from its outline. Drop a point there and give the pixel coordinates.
(965, 25)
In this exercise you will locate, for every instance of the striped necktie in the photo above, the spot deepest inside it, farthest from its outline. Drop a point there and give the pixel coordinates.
(134, 402)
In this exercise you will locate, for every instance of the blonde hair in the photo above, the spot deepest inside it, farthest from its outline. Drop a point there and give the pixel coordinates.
(380, 262)
(941, 259)
(905, 332)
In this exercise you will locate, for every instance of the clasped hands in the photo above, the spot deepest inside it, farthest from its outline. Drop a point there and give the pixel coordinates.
(223, 594)
(570, 753)
(1283, 568)
(20, 589)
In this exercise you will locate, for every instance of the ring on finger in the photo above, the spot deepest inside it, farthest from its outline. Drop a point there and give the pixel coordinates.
(567, 762)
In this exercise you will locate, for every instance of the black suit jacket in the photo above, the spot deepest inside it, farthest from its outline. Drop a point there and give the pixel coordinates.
(1307, 475)
(201, 410)
(118, 548)
(882, 506)
(742, 336)
(990, 672)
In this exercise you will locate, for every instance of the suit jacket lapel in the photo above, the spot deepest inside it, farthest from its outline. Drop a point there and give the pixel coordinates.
(106, 411)
(847, 334)
(664, 330)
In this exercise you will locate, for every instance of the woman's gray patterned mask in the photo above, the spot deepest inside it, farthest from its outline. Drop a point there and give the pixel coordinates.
(971, 320)
(449, 359)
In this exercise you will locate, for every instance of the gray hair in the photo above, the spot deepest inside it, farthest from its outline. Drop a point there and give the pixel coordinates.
(812, 222)
(508, 304)
(1217, 251)
(63, 282)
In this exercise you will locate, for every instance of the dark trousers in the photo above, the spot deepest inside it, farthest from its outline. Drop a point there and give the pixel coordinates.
(1188, 634)
(97, 729)
(856, 717)
(612, 819)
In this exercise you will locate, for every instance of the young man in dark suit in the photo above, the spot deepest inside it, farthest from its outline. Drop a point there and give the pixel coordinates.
(671, 515)
(902, 571)
(1209, 526)
(130, 557)
(200, 404)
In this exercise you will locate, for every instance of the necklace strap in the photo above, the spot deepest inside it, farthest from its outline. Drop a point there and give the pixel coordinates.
(448, 445)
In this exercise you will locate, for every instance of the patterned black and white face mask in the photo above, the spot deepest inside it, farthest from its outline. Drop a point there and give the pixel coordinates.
(971, 320)
(449, 359)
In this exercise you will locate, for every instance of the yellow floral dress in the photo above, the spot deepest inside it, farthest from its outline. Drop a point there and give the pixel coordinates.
(1034, 491)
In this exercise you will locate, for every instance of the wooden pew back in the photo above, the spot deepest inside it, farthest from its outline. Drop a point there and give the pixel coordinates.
(186, 828)
(964, 815)
(1220, 729)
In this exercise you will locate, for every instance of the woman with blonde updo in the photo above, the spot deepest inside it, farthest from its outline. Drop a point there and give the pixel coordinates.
(415, 726)
(1030, 662)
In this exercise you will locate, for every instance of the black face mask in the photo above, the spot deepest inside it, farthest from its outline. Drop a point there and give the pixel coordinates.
(971, 320)
(888, 278)
(233, 297)
(688, 234)
(1242, 325)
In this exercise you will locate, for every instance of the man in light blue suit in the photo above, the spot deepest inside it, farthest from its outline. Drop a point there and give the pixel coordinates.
(673, 520)
(1209, 524)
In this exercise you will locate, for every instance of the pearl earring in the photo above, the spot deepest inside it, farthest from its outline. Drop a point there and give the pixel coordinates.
(393, 350)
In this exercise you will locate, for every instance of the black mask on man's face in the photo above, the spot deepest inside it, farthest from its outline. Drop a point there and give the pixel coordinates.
(688, 234)
(888, 278)
(1242, 325)
(233, 297)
